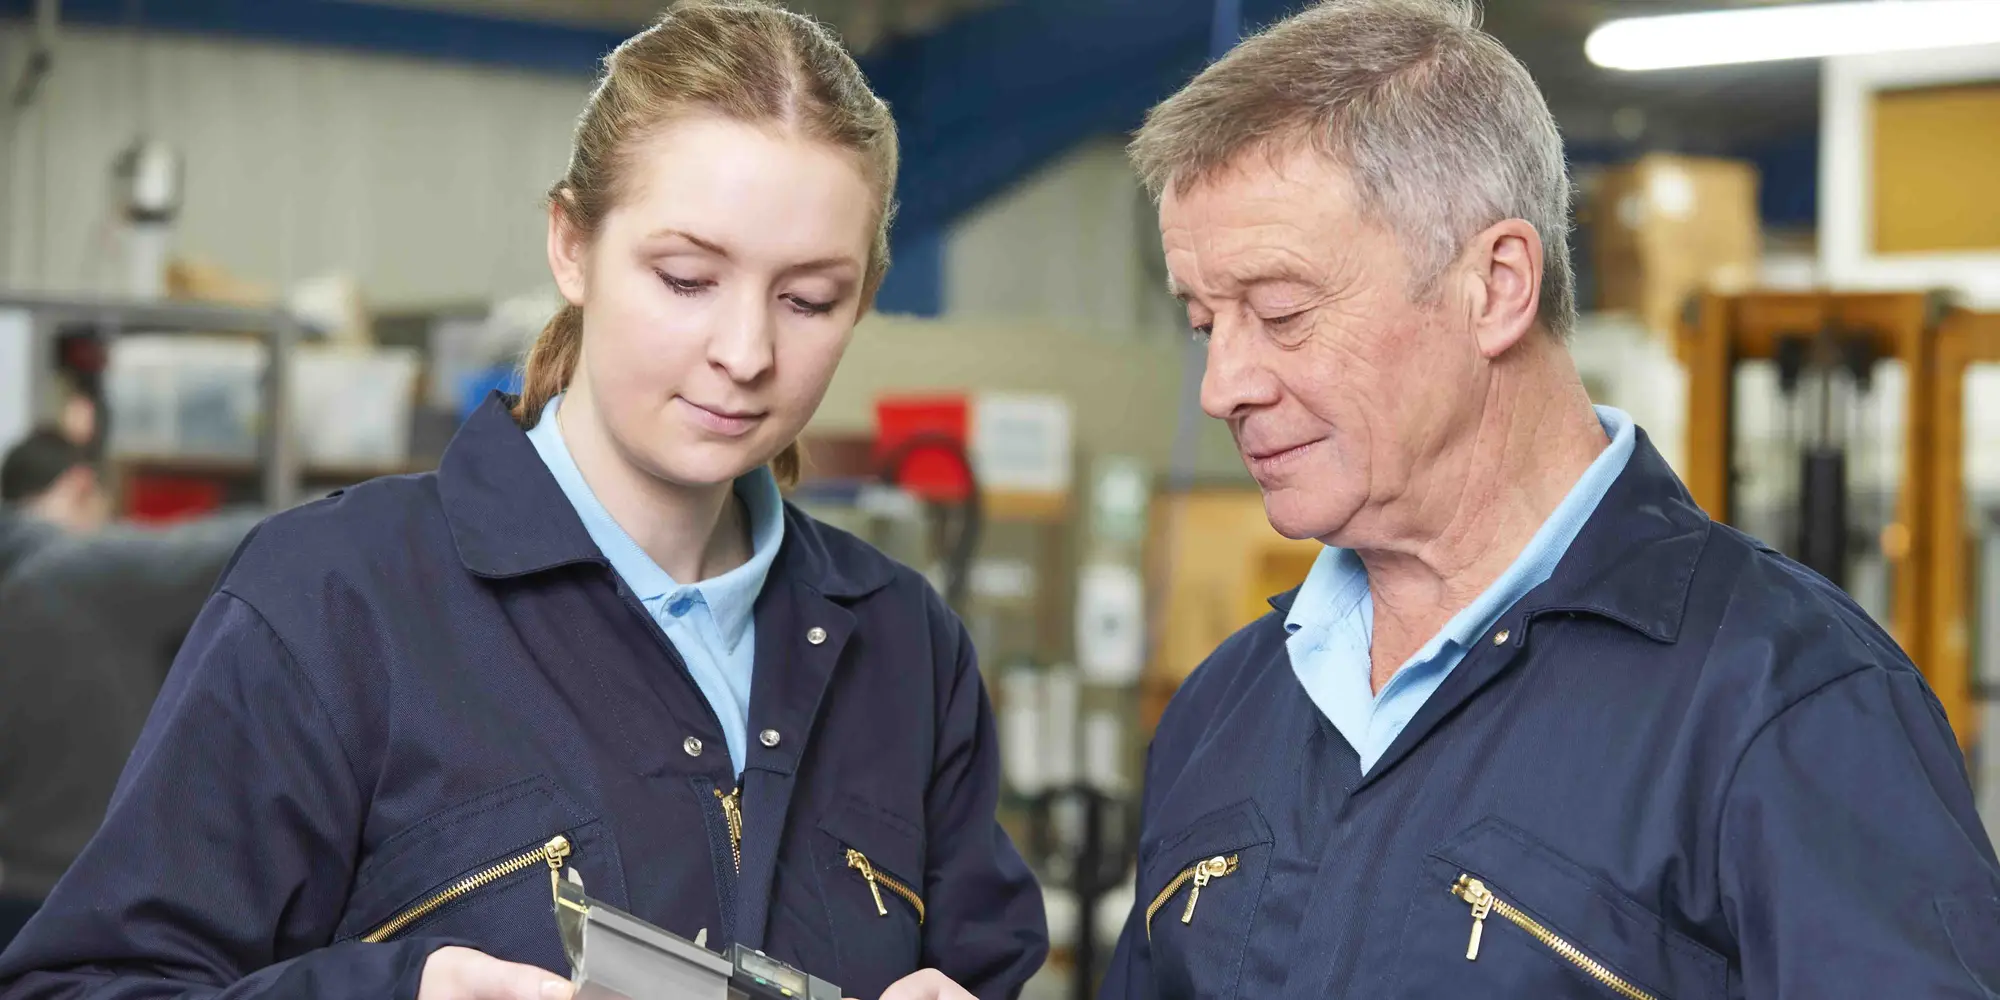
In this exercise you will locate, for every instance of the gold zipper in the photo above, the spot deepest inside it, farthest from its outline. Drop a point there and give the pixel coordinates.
(1199, 873)
(1481, 899)
(551, 853)
(879, 880)
(732, 811)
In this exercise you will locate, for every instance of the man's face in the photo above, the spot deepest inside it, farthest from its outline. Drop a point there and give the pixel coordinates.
(1338, 388)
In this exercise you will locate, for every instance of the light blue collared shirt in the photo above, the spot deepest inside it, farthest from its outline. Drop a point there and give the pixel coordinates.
(709, 622)
(1332, 621)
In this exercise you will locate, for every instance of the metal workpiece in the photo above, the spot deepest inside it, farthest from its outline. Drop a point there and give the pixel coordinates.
(614, 955)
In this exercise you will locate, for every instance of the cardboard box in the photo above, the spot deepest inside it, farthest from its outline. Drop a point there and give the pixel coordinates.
(1667, 227)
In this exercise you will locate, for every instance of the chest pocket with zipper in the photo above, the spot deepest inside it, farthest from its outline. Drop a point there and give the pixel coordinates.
(1202, 886)
(1497, 913)
(479, 872)
(871, 872)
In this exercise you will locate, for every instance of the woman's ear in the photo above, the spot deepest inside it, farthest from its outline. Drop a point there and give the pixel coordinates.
(568, 250)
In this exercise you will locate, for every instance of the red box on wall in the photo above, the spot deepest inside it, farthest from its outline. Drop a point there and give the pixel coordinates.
(163, 499)
(926, 429)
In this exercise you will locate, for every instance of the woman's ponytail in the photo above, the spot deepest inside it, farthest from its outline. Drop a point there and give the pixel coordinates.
(550, 364)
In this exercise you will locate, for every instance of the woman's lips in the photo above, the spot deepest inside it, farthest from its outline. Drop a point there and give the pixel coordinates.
(727, 423)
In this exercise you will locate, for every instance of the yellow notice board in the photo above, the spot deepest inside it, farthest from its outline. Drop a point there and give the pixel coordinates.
(1937, 165)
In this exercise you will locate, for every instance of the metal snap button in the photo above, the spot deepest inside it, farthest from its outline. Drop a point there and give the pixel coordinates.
(768, 737)
(815, 635)
(1500, 637)
(692, 745)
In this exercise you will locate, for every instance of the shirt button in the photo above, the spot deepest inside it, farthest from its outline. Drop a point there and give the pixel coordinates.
(679, 607)
(815, 635)
(1500, 637)
(768, 737)
(692, 746)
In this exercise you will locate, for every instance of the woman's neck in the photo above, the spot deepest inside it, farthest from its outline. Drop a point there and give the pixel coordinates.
(694, 533)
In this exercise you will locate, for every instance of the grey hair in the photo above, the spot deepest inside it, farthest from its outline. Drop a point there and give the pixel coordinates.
(1441, 129)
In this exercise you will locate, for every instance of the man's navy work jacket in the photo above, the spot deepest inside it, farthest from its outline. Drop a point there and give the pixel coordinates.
(1683, 768)
(426, 679)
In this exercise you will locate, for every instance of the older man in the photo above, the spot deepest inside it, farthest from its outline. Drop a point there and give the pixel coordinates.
(1534, 726)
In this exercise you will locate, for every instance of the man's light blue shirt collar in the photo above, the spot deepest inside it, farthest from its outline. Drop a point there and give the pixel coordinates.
(1332, 619)
(730, 596)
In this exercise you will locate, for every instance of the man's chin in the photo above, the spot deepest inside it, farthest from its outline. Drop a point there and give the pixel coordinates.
(1298, 516)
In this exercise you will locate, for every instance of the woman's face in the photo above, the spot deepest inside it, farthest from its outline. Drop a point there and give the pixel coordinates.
(718, 295)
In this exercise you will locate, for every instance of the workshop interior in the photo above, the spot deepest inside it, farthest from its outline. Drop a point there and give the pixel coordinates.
(252, 253)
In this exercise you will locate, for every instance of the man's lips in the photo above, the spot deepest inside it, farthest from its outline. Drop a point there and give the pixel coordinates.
(1265, 453)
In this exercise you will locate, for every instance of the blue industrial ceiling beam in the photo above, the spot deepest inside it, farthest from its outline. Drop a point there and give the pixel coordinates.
(407, 31)
(993, 95)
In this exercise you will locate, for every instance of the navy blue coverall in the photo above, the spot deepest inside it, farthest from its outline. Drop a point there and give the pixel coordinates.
(429, 678)
(1682, 768)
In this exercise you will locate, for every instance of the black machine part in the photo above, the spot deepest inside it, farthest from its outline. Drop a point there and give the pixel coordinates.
(1822, 544)
(1822, 359)
(1096, 864)
(958, 525)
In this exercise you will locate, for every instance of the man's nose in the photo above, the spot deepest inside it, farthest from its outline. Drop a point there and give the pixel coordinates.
(743, 344)
(1235, 378)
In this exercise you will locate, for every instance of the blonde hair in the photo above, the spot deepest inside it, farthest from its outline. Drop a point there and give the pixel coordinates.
(1442, 131)
(745, 60)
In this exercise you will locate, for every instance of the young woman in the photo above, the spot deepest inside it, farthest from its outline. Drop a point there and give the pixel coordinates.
(596, 638)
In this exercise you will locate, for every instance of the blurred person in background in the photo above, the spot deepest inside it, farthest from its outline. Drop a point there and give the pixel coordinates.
(1534, 726)
(48, 488)
(596, 640)
(90, 616)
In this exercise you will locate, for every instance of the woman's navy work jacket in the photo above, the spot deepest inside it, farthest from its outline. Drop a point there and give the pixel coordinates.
(1682, 768)
(417, 684)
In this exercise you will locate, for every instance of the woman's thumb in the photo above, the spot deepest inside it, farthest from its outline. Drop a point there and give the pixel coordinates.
(494, 979)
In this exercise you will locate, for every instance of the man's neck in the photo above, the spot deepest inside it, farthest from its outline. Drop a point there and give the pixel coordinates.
(1480, 503)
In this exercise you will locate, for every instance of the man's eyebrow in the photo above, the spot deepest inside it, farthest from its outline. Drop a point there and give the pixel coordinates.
(1174, 289)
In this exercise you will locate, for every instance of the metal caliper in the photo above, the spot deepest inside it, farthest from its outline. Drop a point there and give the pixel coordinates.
(614, 955)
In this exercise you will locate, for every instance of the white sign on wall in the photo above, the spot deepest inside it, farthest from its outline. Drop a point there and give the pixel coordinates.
(1848, 85)
(1110, 623)
(1022, 442)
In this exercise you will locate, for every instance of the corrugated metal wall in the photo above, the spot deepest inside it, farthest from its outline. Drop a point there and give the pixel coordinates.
(422, 180)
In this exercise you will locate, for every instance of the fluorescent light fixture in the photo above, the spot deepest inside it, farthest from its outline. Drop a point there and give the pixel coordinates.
(1796, 31)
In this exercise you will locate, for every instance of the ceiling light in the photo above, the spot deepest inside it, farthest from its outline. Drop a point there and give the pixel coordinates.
(1798, 31)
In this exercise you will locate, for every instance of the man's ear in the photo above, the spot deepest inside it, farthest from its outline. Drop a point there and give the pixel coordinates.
(1505, 278)
(568, 250)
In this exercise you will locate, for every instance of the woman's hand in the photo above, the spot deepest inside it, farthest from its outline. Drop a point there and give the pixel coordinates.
(929, 984)
(464, 974)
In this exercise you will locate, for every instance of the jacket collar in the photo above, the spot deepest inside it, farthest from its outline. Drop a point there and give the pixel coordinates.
(1634, 560)
(510, 518)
